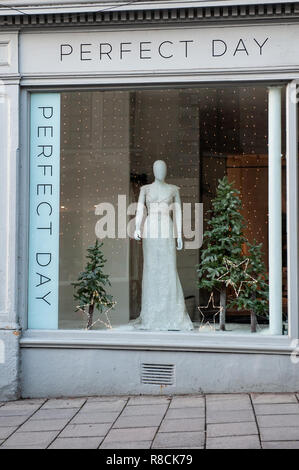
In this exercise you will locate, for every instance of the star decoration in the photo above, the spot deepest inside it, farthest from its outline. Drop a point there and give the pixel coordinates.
(219, 309)
(106, 323)
(230, 266)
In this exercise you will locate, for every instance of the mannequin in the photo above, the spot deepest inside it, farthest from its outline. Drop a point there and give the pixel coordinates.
(163, 306)
(158, 187)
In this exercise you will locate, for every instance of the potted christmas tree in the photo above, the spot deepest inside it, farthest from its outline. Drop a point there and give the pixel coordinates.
(222, 241)
(254, 295)
(90, 288)
(223, 263)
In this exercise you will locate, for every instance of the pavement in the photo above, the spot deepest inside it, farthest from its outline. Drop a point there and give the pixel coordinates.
(229, 421)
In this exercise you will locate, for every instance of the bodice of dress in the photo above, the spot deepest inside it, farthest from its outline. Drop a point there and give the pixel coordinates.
(160, 203)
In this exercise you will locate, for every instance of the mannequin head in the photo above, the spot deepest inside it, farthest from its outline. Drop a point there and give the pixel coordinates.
(160, 170)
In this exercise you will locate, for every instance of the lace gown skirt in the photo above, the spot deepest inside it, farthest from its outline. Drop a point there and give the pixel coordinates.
(163, 304)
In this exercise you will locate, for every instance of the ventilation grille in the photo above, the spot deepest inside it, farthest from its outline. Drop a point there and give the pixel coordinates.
(157, 374)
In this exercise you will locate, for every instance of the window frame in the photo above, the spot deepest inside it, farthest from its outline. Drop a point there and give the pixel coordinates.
(183, 341)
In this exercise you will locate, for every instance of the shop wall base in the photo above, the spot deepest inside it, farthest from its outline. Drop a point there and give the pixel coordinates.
(80, 372)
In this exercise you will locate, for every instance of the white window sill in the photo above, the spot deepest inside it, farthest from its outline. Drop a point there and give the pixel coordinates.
(157, 341)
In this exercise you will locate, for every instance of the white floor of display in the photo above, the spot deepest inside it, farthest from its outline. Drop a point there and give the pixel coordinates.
(231, 328)
(207, 328)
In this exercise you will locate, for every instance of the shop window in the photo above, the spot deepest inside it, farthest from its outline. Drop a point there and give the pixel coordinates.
(106, 145)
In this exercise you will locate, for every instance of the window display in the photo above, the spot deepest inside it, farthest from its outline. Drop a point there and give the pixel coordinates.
(213, 206)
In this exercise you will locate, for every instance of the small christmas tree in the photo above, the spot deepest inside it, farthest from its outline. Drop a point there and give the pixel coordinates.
(254, 295)
(222, 241)
(91, 284)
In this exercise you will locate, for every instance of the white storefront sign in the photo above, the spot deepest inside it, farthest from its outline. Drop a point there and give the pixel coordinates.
(161, 50)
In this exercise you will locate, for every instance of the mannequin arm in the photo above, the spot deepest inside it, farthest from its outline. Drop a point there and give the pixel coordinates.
(139, 214)
(178, 219)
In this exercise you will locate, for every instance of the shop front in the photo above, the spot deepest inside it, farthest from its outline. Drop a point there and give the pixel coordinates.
(111, 114)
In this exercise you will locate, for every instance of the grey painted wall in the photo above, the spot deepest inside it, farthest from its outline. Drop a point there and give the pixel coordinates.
(9, 369)
(77, 372)
(9, 163)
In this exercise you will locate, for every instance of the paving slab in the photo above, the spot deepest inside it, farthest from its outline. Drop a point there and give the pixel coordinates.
(270, 398)
(56, 414)
(93, 406)
(149, 400)
(236, 442)
(14, 408)
(218, 417)
(186, 448)
(280, 434)
(25, 447)
(182, 425)
(231, 429)
(130, 435)
(6, 421)
(230, 405)
(281, 445)
(278, 409)
(76, 443)
(126, 445)
(43, 425)
(20, 412)
(212, 397)
(110, 398)
(144, 410)
(36, 440)
(181, 413)
(178, 439)
(187, 402)
(270, 421)
(60, 403)
(86, 430)
(6, 432)
(97, 417)
(25, 403)
(138, 421)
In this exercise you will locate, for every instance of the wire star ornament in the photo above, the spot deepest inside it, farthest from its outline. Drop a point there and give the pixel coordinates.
(230, 266)
(219, 309)
(106, 322)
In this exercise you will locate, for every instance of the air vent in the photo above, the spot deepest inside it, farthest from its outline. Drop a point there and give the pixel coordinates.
(157, 374)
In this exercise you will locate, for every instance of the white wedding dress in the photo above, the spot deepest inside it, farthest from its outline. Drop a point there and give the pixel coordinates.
(163, 305)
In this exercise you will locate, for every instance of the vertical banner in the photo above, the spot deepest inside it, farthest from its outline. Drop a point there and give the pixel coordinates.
(44, 211)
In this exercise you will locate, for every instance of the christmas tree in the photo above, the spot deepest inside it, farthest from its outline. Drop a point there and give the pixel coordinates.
(90, 288)
(254, 295)
(222, 241)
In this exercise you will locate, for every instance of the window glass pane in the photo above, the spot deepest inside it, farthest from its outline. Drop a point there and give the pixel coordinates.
(95, 168)
(109, 142)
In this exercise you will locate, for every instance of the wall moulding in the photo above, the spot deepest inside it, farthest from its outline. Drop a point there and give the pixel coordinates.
(161, 14)
(71, 339)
